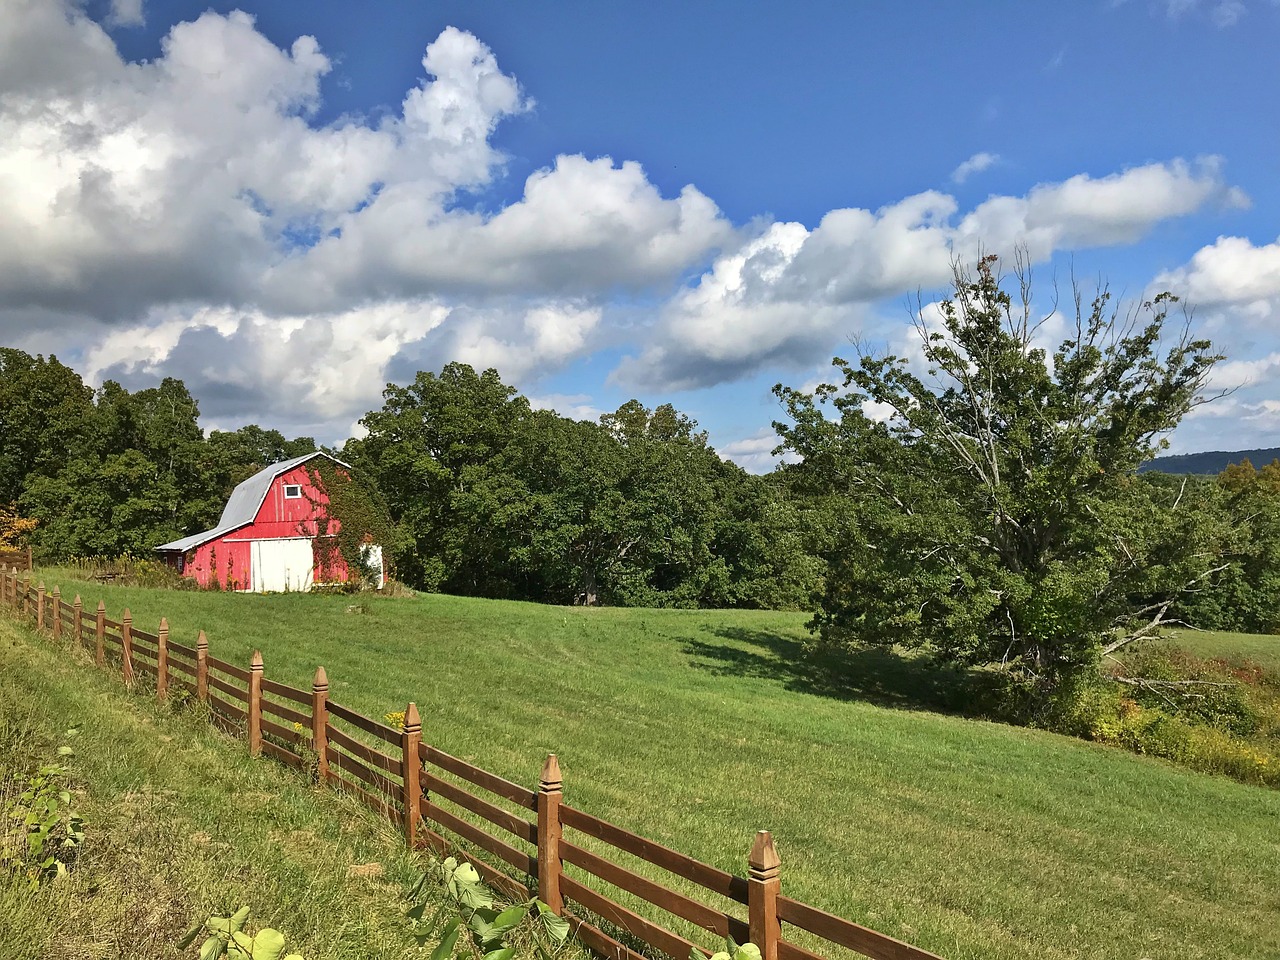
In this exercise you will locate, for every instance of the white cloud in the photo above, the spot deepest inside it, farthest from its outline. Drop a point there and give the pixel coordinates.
(790, 293)
(979, 161)
(1229, 272)
(755, 453)
(188, 215)
(521, 340)
(576, 406)
(1221, 13)
(126, 13)
(582, 226)
(305, 370)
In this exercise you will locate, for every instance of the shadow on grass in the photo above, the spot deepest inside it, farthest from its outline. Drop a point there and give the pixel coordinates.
(873, 674)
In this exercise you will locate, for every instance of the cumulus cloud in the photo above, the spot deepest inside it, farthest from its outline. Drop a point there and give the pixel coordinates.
(754, 454)
(188, 216)
(126, 13)
(790, 291)
(975, 164)
(307, 370)
(582, 226)
(1232, 271)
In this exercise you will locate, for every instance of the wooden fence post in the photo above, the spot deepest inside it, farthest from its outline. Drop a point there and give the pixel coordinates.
(320, 723)
(763, 887)
(40, 606)
(550, 792)
(30, 566)
(55, 600)
(162, 660)
(77, 628)
(410, 738)
(100, 633)
(126, 646)
(202, 668)
(255, 704)
(26, 595)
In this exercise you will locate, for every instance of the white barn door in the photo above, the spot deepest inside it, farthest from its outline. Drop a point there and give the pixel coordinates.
(280, 565)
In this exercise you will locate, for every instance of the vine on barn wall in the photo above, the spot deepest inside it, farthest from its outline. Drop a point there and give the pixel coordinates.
(354, 516)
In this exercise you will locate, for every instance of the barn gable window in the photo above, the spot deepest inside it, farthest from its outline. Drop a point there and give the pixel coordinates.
(293, 491)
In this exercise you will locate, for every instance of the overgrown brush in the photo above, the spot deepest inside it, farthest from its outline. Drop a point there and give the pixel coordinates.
(1215, 715)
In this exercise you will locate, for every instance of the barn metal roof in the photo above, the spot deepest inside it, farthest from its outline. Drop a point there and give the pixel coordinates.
(245, 502)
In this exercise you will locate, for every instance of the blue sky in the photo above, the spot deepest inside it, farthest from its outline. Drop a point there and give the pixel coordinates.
(680, 202)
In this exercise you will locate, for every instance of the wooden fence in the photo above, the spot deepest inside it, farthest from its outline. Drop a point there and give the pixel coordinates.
(15, 559)
(560, 852)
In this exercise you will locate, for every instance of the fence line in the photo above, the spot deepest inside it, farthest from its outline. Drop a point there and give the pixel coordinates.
(405, 779)
(11, 558)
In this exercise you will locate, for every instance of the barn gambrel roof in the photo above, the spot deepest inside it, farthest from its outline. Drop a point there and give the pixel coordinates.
(245, 502)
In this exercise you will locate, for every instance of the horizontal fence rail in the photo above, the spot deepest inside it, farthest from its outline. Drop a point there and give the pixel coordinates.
(519, 840)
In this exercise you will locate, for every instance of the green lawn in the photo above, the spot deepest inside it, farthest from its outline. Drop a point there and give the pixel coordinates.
(695, 728)
(1263, 650)
(179, 820)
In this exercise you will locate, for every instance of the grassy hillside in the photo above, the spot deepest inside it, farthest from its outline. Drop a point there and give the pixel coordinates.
(1262, 650)
(179, 820)
(695, 728)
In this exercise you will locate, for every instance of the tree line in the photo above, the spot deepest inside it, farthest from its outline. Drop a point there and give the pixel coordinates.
(484, 495)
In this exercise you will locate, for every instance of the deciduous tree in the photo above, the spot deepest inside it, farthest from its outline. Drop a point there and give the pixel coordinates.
(984, 495)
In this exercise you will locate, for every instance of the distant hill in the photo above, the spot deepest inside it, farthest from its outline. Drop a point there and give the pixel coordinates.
(1211, 461)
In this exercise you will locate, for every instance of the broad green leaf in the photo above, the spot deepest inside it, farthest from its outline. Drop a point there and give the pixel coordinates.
(211, 949)
(190, 938)
(557, 928)
(238, 919)
(506, 953)
(268, 945)
(748, 951)
(445, 948)
(511, 917)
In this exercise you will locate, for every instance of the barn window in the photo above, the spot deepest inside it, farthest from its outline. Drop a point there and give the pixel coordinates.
(292, 491)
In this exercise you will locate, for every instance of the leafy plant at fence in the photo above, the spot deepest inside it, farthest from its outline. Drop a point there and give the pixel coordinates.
(51, 832)
(227, 938)
(731, 951)
(469, 924)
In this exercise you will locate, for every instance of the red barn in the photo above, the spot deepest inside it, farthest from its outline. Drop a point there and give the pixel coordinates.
(269, 536)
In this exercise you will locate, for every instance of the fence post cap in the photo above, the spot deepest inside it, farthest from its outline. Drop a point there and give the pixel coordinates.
(164, 624)
(40, 585)
(126, 615)
(255, 662)
(202, 641)
(102, 606)
(55, 591)
(763, 858)
(551, 779)
(412, 722)
(321, 681)
(78, 602)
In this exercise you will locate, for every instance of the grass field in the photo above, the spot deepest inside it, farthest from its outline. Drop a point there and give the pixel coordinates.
(695, 728)
(179, 820)
(1262, 650)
